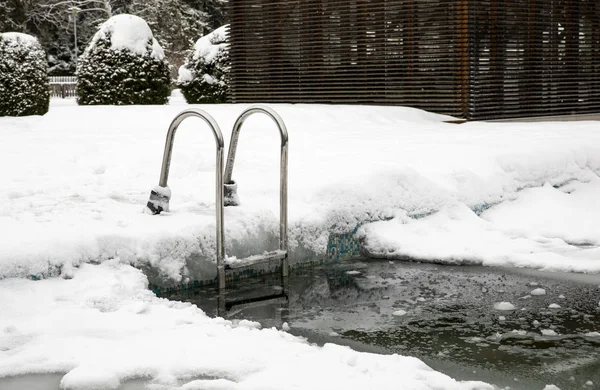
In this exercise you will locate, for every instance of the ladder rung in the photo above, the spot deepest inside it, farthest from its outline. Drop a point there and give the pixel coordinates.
(256, 259)
(249, 301)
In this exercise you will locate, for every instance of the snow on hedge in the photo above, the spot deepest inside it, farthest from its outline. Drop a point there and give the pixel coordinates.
(128, 32)
(23, 76)
(123, 65)
(21, 39)
(204, 78)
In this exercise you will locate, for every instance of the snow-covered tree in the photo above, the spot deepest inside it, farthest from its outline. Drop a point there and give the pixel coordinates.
(204, 78)
(123, 64)
(23, 76)
(175, 23)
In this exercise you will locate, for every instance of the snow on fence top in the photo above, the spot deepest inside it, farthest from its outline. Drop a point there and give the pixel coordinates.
(20, 38)
(128, 32)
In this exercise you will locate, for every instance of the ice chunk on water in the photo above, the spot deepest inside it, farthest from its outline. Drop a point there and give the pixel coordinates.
(538, 292)
(549, 332)
(504, 306)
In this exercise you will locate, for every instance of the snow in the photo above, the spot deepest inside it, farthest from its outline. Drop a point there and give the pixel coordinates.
(185, 76)
(504, 306)
(104, 326)
(128, 32)
(211, 44)
(411, 181)
(78, 179)
(20, 38)
(551, 387)
(206, 48)
(554, 306)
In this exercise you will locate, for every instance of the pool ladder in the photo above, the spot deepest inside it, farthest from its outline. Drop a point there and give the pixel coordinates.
(226, 188)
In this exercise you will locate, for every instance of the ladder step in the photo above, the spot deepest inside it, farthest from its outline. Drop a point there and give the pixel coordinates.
(254, 260)
(273, 298)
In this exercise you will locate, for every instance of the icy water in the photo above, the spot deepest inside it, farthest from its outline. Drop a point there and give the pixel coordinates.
(445, 315)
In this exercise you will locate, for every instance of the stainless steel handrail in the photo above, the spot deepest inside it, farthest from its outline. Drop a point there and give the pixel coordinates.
(166, 164)
(283, 168)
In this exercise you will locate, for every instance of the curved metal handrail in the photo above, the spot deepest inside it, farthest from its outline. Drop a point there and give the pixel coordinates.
(283, 167)
(166, 164)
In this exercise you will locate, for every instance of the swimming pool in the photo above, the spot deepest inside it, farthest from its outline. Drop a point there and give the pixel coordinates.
(443, 315)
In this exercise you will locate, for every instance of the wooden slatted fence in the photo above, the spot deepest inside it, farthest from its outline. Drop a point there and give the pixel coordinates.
(475, 59)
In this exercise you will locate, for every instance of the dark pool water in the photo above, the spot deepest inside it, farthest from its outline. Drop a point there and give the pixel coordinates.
(450, 320)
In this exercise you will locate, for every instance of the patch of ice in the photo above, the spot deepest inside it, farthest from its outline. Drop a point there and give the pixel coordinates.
(554, 306)
(399, 313)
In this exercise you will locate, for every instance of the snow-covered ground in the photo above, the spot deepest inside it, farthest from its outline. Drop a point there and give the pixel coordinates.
(76, 180)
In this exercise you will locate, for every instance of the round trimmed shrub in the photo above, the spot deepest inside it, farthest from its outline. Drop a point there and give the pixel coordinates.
(204, 78)
(123, 65)
(23, 76)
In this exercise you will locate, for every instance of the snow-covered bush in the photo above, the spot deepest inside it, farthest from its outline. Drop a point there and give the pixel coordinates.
(204, 78)
(123, 64)
(23, 76)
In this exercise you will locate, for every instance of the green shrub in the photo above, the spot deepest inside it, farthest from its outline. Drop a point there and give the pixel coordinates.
(204, 78)
(23, 76)
(123, 65)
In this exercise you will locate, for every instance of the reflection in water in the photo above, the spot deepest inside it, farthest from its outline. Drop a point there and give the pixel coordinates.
(442, 314)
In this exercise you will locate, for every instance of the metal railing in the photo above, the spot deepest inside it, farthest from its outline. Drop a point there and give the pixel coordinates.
(159, 198)
(283, 167)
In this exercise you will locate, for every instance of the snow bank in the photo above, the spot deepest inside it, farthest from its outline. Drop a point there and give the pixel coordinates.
(128, 32)
(103, 327)
(487, 193)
